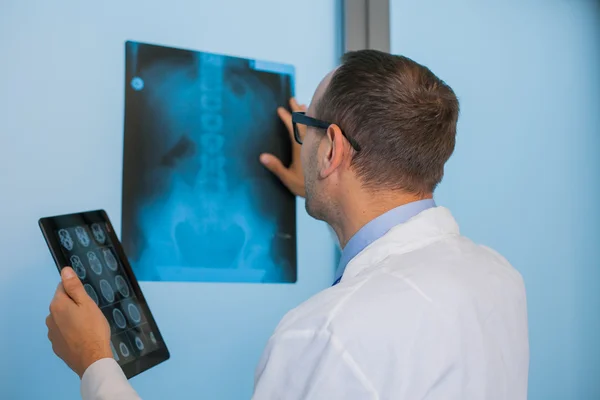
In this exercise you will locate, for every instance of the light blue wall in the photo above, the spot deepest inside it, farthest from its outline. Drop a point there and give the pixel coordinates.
(525, 177)
(61, 141)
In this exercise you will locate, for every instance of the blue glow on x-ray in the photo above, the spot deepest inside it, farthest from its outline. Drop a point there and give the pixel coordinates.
(198, 206)
(274, 67)
(137, 83)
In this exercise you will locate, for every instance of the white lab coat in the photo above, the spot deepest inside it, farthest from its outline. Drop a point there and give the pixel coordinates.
(421, 313)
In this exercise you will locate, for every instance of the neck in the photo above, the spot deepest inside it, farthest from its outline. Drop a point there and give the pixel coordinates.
(360, 209)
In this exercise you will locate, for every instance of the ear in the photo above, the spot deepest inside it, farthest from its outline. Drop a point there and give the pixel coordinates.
(335, 151)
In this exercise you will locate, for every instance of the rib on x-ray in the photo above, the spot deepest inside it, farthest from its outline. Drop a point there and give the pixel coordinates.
(197, 204)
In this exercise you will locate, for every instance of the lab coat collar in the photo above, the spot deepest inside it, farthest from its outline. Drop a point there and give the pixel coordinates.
(425, 228)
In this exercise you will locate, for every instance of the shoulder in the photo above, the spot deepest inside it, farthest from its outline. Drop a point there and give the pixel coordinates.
(305, 353)
(454, 259)
(437, 279)
(370, 327)
(320, 310)
(357, 305)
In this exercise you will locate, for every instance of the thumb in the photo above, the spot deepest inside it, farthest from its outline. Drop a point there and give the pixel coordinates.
(275, 165)
(73, 286)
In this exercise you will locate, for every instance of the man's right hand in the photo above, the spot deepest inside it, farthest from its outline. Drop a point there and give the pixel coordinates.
(293, 176)
(78, 330)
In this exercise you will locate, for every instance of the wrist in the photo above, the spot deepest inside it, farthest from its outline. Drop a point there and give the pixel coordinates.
(91, 357)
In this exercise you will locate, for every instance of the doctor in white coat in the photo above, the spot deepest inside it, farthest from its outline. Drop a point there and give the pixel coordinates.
(417, 310)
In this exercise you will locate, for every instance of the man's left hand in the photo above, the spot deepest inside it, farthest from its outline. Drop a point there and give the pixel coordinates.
(78, 330)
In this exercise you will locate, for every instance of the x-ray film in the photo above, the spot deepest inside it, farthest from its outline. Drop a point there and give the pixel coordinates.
(197, 203)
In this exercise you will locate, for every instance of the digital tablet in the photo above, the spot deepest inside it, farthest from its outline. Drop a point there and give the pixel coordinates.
(87, 242)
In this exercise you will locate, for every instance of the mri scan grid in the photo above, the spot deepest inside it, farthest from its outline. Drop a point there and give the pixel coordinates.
(95, 262)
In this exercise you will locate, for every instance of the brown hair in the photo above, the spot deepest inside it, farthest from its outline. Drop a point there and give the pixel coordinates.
(401, 114)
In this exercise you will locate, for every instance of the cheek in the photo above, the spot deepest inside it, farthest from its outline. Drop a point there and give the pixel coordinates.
(308, 156)
(304, 157)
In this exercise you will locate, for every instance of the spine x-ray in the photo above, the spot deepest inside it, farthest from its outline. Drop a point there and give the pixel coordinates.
(197, 203)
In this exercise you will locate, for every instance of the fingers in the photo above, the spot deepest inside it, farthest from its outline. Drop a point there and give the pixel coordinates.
(295, 106)
(274, 165)
(51, 325)
(53, 335)
(73, 286)
(286, 118)
(59, 300)
(290, 177)
(49, 321)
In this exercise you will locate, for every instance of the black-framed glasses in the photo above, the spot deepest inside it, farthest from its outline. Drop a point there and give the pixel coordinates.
(300, 117)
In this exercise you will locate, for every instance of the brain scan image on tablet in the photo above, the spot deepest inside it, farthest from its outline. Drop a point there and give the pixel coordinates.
(110, 259)
(124, 349)
(114, 352)
(119, 318)
(78, 267)
(134, 313)
(139, 343)
(82, 236)
(92, 293)
(87, 242)
(107, 291)
(98, 233)
(95, 263)
(122, 286)
(65, 239)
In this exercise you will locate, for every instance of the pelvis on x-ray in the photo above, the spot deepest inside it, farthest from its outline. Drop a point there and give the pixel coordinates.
(197, 204)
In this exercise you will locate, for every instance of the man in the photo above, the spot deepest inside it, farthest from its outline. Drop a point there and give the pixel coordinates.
(417, 310)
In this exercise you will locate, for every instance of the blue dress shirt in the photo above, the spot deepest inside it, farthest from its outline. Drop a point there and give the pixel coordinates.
(378, 227)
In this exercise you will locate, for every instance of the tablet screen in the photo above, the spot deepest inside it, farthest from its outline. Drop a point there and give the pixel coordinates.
(89, 245)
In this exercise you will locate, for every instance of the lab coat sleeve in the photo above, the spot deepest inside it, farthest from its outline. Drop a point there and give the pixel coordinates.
(309, 365)
(104, 380)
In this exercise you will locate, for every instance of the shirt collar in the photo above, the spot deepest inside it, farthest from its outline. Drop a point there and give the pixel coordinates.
(378, 227)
